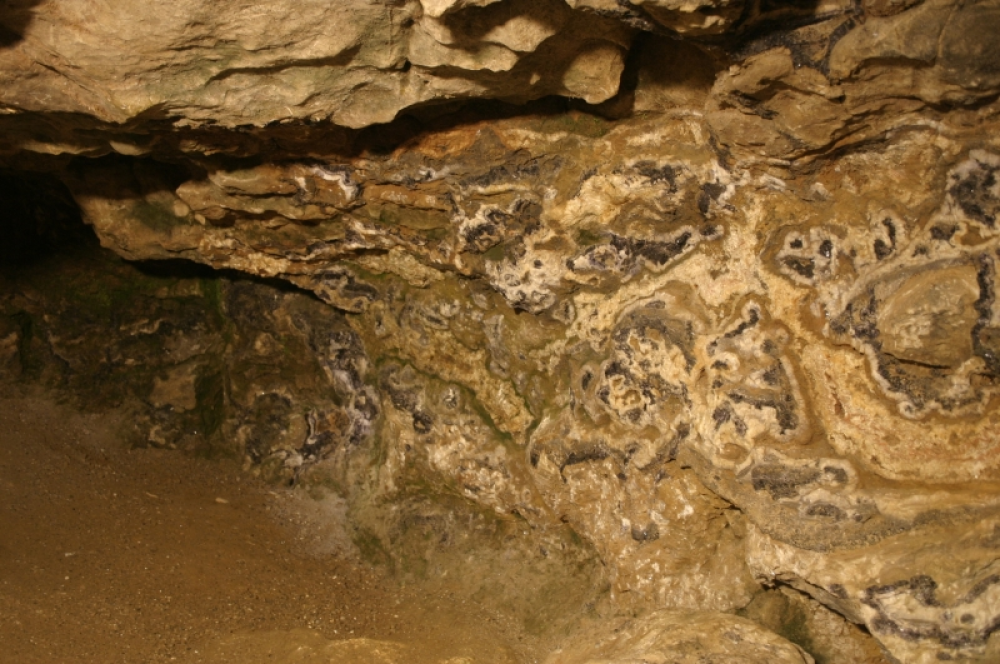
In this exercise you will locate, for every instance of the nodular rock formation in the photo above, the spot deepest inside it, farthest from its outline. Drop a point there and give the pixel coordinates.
(689, 306)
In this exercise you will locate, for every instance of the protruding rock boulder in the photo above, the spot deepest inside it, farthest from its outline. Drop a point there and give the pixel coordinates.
(680, 637)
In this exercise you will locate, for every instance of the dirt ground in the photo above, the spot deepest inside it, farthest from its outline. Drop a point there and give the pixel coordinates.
(112, 555)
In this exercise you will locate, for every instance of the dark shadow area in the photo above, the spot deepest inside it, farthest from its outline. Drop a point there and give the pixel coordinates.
(473, 23)
(179, 268)
(799, 618)
(435, 117)
(787, 23)
(432, 118)
(40, 222)
(762, 18)
(15, 17)
(38, 217)
(429, 118)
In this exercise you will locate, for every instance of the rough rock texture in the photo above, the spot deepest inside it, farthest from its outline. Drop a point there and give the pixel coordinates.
(727, 317)
(231, 367)
(680, 637)
(244, 63)
(820, 631)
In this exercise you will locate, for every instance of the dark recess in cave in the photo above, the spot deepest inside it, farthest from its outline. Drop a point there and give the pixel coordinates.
(39, 216)
(15, 17)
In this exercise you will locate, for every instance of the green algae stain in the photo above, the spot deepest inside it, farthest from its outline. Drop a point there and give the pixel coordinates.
(209, 388)
(154, 216)
(31, 366)
(496, 254)
(391, 214)
(574, 122)
(371, 548)
(588, 238)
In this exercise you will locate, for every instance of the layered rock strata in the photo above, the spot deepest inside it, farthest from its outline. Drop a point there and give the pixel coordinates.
(731, 321)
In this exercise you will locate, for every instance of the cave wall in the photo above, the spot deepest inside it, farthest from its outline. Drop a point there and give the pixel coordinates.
(702, 296)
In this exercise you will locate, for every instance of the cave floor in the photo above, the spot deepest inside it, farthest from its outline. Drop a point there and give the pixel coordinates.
(110, 554)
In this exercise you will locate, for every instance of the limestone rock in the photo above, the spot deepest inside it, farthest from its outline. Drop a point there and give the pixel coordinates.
(728, 316)
(177, 390)
(820, 631)
(693, 18)
(832, 82)
(353, 63)
(631, 381)
(436, 8)
(682, 637)
(777, 108)
(951, 39)
(927, 596)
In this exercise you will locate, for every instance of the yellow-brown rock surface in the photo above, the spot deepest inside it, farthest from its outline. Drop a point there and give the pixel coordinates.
(734, 323)
(681, 637)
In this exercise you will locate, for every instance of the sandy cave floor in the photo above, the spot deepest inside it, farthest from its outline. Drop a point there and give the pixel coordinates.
(114, 555)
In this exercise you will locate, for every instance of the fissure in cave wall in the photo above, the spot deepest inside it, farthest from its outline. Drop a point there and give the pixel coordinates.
(654, 302)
